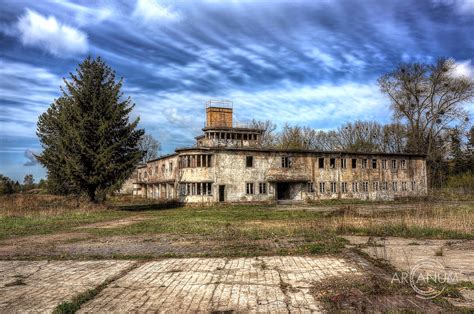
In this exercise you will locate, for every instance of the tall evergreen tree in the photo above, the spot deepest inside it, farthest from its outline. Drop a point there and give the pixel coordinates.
(89, 143)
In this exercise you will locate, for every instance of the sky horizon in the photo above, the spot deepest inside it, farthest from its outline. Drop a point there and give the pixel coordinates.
(309, 63)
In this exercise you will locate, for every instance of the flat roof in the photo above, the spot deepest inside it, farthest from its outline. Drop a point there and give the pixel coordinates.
(294, 151)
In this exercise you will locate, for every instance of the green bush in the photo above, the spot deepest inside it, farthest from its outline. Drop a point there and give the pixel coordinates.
(463, 183)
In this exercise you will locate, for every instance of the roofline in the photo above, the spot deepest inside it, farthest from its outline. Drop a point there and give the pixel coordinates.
(233, 129)
(296, 151)
(163, 157)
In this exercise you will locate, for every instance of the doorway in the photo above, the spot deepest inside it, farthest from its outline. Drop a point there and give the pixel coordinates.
(221, 193)
(283, 191)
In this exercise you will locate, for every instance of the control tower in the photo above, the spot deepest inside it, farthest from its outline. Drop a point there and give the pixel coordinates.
(220, 131)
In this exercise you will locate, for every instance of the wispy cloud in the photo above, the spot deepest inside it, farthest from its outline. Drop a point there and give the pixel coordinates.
(51, 35)
(151, 11)
(308, 63)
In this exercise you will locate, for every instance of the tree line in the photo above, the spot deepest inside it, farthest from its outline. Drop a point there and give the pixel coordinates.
(427, 102)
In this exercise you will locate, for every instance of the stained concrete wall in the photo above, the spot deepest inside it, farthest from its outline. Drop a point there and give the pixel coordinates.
(228, 168)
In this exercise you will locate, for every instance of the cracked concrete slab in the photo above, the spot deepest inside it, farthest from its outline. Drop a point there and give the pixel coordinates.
(262, 284)
(39, 286)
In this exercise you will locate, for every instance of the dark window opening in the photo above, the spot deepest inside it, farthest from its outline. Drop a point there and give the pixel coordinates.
(354, 163)
(249, 161)
(374, 163)
(321, 163)
(332, 163)
(286, 162)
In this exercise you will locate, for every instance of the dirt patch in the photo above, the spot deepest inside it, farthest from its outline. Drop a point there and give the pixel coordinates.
(32, 245)
(114, 223)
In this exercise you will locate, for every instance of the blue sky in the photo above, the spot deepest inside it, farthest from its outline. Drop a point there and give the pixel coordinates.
(311, 63)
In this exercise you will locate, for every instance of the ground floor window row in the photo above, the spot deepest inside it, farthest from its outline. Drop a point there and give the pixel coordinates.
(195, 188)
(355, 187)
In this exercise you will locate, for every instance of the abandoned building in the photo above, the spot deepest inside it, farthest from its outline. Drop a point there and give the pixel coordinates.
(228, 164)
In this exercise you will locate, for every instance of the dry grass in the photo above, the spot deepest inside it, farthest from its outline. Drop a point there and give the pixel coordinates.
(420, 221)
(28, 205)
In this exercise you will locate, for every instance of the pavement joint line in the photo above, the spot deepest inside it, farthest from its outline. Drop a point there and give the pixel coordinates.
(99, 288)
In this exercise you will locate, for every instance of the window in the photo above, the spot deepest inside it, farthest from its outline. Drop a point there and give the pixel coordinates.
(355, 187)
(413, 185)
(198, 188)
(365, 186)
(384, 186)
(207, 188)
(309, 187)
(171, 166)
(404, 186)
(375, 186)
(249, 188)
(343, 187)
(333, 187)
(364, 163)
(394, 164)
(384, 164)
(262, 188)
(374, 163)
(332, 163)
(249, 161)
(322, 187)
(403, 164)
(343, 163)
(156, 170)
(163, 168)
(286, 162)
(321, 163)
(394, 186)
(354, 163)
(188, 161)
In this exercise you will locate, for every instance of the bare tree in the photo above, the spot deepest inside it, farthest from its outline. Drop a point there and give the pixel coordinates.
(268, 127)
(429, 99)
(149, 146)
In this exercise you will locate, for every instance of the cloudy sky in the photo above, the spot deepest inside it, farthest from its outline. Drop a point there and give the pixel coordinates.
(311, 63)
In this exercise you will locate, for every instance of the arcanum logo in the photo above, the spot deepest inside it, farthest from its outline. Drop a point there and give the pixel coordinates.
(428, 278)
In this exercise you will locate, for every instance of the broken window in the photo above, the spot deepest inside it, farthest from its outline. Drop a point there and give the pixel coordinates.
(249, 188)
(322, 187)
(286, 162)
(394, 186)
(413, 185)
(394, 164)
(384, 164)
(374, 163)
(343, 187)
(249, 161)
(343, 163)
(354, 163)
(404, 186)
(403, 164)
(365, 186)
(321, 163)
(262, 188)
(375, 186)
(384, 186)
(364, 163)
(333, 187)
(332, 163)
(309, 187)
(355, 187)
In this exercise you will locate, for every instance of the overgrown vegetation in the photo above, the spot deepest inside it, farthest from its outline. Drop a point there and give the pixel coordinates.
(44, 214)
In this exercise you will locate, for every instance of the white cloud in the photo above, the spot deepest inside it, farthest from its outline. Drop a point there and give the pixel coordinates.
(51, 35)
(464, 69)
(461, 6)
(150, 10)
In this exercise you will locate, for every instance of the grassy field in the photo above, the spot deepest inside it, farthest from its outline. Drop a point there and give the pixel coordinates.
(42, 214)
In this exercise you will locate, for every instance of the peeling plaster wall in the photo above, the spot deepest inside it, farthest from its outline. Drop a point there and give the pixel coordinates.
(228, 168)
